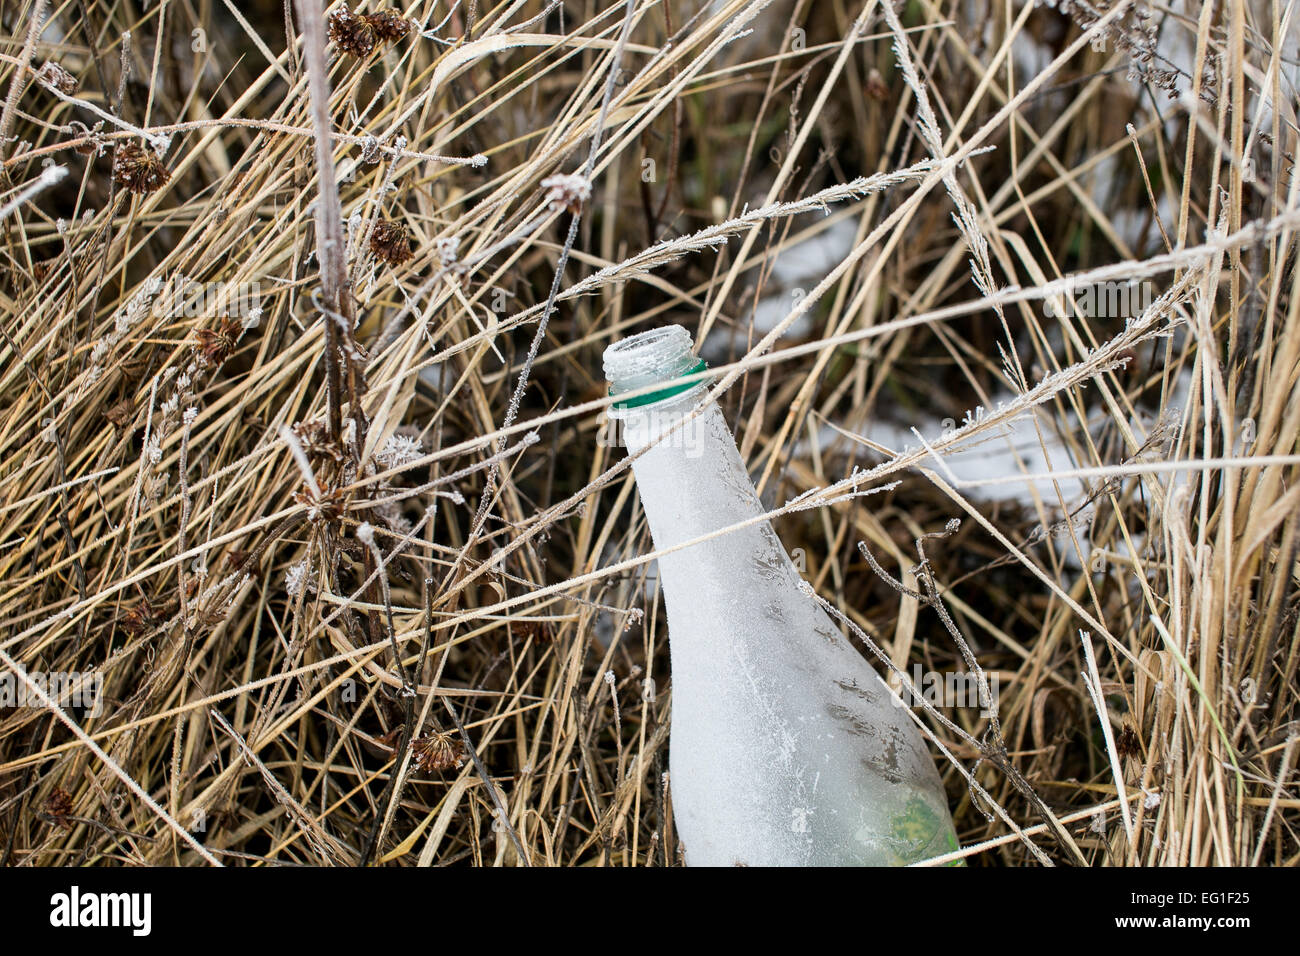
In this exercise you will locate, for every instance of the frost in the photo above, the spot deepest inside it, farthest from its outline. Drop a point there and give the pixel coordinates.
(399, 450)
(448, 251)
(295, 579)
(567, 191)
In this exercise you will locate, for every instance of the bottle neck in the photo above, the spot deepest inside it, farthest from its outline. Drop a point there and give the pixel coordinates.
(690, 475)
(656, 357)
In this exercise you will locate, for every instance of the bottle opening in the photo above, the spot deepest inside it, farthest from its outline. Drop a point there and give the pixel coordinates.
(647, 358)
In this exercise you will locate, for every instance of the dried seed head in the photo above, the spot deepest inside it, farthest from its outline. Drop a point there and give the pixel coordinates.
(359, 33)
(214, 345)
(93, 136)
(136, 169)
(139, 618)
(351, 33)
(59, 806)
(388, 25)
(1127, 743)
(51, 74)
(315, 440)
(567, 191)
(389, 242)
(434, 753)
(540, 631)
(327, 506)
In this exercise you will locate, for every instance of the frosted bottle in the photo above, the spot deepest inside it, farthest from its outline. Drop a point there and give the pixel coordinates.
(786, 747)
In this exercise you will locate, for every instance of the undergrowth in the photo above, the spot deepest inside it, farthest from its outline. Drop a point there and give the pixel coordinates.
(301, 456)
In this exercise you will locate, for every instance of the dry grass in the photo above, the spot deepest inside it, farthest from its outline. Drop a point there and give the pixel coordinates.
(360, 580)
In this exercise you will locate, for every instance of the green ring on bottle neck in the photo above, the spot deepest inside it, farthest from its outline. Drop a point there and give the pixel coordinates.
(663, 393)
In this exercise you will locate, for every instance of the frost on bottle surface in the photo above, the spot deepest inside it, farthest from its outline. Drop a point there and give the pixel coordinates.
(786, 748)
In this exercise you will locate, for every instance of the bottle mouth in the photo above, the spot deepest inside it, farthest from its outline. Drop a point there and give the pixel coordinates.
(648, 358)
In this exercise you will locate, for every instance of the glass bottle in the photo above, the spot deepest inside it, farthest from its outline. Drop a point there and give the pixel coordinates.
(786, 748)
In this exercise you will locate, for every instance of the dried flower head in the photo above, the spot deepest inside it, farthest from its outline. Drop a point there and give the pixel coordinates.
(314, 436)
(540, 631)
(351, 33)
(388, 25)
(139, 618)
(51, 74)
(358, 33)
(138, 170)
(390, 242)
(93, 137)
(434, 753)
(567, 191)
(59, 807)
(1127, 743)
(326, 506)
(214, 345)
